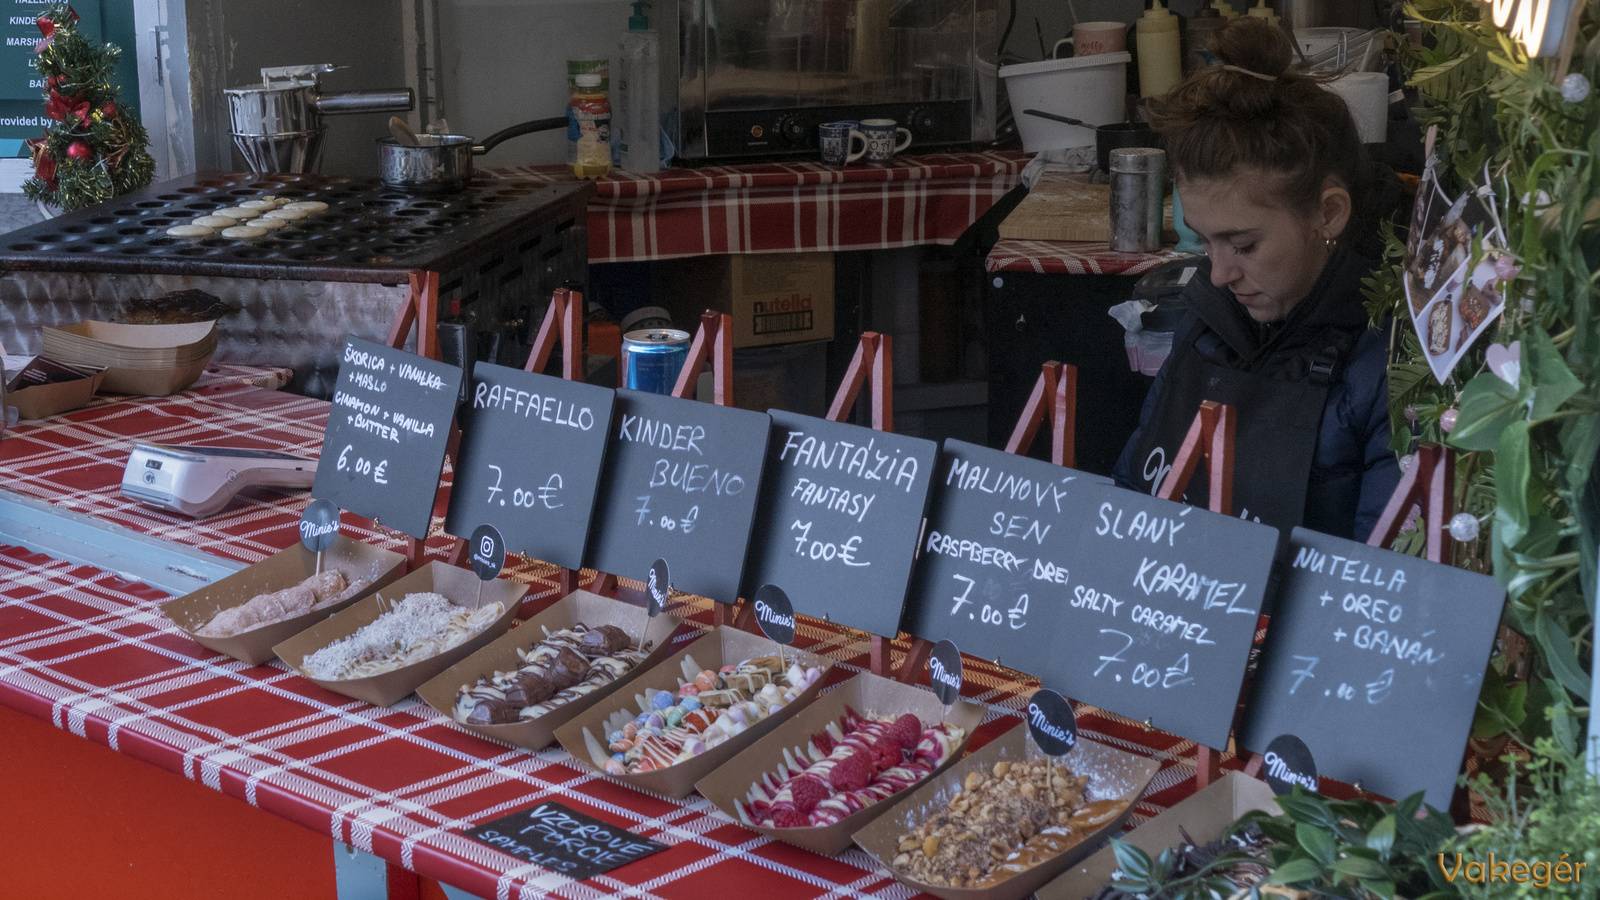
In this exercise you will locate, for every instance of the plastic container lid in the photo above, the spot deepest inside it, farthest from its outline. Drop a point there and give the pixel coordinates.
(1138, 159)
(587, 79)
(1062, 65)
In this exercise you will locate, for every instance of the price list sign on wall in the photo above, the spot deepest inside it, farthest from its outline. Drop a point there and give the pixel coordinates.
(998, 561)
(680, 483)
(1161, 613)
(839, 517)
(530, 461)
(1375, 660)
(384, 446)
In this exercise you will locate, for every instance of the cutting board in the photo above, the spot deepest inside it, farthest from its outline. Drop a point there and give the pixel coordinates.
(1064, 209)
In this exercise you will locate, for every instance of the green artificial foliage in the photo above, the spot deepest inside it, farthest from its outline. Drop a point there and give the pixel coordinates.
(94, 148)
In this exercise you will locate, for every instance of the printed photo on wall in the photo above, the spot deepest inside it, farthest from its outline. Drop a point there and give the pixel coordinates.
(1451, 300)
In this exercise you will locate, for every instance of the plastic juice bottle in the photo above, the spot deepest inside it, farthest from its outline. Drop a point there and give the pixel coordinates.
(589, 129)
(637, 145)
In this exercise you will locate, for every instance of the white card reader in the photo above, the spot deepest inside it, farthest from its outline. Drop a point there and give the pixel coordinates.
(199, 481)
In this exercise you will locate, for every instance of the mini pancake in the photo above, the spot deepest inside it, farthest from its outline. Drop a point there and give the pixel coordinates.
(268, 222)
(243, 231)
(189, 231)
(260, 205)
(285, 213)
(310, 206)
(239, 212)
(216, 221)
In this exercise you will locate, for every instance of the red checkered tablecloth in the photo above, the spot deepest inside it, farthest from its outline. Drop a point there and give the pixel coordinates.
(91, 653)
(788, 207)
(1071, 258)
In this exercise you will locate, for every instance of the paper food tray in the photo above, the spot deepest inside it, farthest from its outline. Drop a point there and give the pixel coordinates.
(867, 694)
(1203, 815)
(41, 401)
(1113, 774)
(459, 585)
(720, 646)
(284, 569)
(592, 610)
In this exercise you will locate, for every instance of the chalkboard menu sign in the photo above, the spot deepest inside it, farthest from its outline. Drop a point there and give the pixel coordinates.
(680, 482)
(529, 463)
(1375, 660)
(563, 840)
(839, 517)
(384, 446)
(1161, 612)
(998, 554)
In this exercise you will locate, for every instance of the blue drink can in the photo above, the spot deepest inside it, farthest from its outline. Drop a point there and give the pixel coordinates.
(652, 359)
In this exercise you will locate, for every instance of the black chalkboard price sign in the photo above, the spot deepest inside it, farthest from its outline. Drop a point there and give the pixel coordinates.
(1163, 607)
(530, 460)
(1375, 660)
(384, 445)
(561, 839)
(997, 563)
(680, 482)
(839, 516)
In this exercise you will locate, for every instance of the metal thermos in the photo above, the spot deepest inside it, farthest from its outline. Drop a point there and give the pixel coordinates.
(1137, 175)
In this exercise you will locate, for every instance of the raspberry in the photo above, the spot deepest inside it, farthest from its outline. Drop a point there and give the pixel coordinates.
(850, 773)
(808, 792)
(784, 815)
(886, 752)
(907, 730)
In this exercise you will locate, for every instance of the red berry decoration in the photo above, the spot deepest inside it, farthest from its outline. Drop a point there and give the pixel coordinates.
(109, 111)
(79, 150)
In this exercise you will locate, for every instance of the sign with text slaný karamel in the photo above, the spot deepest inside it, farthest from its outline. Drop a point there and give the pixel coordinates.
(680, 483)
(529, 464)
(384, 446)
(1370, 651)
(995, 575)
(1163, 609)
(837, 525)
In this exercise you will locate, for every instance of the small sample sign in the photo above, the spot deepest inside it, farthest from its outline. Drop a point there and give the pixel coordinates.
(1052, 722)
(384, 446)
(999, 555)
(840, 511)
(1288, 762)
(774, 613)
(565, 841)
(1369, 651)
(944, 672)
(531, 450)
(657, 587)
(681, 480)
(319, 525)
(488, 552)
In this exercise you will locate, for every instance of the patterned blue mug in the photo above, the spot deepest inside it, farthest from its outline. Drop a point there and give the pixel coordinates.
(838, 142)
(881, 140)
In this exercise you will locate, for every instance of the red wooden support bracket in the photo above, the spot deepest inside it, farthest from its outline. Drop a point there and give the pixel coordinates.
(713, 346)
(1054, 397)
(1431, 483)
(421, 309)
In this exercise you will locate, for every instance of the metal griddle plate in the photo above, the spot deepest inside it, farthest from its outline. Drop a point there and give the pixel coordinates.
(368, 233)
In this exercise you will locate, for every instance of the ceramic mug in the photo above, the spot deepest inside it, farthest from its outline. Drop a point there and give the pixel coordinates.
(1093, 39)
(881, 140)
(838, 142)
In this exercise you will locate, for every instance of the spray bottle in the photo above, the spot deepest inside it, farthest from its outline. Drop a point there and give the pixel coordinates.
(638, 108)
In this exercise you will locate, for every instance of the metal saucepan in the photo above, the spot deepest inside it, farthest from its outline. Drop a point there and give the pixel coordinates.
(442, 163)
(1107, 138)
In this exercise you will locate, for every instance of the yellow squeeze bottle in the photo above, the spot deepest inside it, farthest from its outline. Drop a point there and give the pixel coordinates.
(1160, 59)
(1222, 6)
(1262, 11)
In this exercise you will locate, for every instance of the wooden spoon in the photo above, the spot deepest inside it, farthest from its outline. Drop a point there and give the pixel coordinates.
(403, 135)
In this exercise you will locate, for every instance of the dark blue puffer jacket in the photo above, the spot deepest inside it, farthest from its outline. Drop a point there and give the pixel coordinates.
(1353, 471)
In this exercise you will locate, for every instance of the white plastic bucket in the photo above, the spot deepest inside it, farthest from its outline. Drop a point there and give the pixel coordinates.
(1092, 89)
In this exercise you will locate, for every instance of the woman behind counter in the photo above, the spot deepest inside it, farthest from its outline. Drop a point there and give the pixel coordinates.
(1277, 184)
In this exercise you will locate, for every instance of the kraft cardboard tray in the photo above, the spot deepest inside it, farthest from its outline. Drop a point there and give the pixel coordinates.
(868, 694)
(41, 401)
(718, 647)
(460, 586)
(592, 610)
(1203, 815)
(1113, 774)
(284, 569)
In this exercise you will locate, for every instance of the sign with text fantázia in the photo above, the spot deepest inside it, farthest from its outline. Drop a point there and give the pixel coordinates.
(384, 445)
(531, 449)
(838, 520)
(680, 482)
(1162, 610)
(1375, 659)
(564, 841)
(997, 558)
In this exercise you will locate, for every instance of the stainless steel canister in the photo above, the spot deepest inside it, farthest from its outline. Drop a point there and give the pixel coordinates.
(1137, 175)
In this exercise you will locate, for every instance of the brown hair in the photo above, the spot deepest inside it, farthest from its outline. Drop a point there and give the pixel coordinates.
(1271, 117)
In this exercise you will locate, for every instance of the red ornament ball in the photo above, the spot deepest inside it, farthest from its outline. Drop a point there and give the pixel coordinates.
(109, 110)
(79, 150)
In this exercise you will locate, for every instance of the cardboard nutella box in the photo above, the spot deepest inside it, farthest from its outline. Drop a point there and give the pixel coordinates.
(460, 586)
(577, 607)
(1202, 816)
(774, 298)
(284, 569)
(868, 694)
(1114, 775)
(719, 647)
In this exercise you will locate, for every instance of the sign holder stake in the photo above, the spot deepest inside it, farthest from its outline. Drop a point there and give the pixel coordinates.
(712, 346)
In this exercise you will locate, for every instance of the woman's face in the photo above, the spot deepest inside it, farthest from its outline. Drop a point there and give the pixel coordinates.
(1268, 256)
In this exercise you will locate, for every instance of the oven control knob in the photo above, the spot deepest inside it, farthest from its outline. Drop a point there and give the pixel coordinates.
(793, 129)
(922, 122)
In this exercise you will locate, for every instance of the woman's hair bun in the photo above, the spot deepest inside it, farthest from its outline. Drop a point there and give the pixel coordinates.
(1252, 43)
